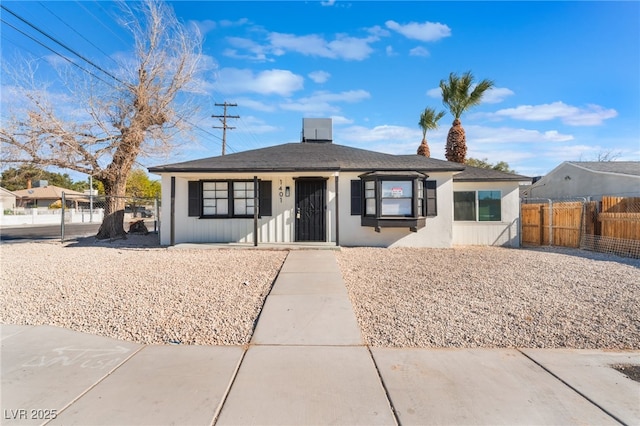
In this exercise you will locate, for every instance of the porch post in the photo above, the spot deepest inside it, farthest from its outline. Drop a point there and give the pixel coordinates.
(172, 219)
(337, 210)
(255, 211)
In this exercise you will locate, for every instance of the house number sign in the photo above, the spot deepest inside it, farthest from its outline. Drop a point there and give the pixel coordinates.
(280, 193)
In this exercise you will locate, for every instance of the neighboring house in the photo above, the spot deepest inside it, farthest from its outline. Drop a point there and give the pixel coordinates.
(588, 179)
(318, 191)
(43, 195)
(7, 200)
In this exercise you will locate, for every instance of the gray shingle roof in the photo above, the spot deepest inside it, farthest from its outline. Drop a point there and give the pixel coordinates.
(329, 157)
(622, 167)
(309, 157)
(471, 174)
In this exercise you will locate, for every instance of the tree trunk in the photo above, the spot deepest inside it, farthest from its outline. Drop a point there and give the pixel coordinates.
(113, 223)
(423, 149)
(456, 143)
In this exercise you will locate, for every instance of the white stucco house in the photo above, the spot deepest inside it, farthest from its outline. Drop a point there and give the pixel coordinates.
(588, 179)
(322, 192)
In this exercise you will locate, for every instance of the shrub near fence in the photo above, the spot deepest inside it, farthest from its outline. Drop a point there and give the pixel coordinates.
(611, 225)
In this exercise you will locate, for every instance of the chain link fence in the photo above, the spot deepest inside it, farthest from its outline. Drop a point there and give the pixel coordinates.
(611, 225)
(91, 210)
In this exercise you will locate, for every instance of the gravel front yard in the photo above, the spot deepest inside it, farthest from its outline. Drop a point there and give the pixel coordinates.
(493, 297)
(462, 297)
(150, 295)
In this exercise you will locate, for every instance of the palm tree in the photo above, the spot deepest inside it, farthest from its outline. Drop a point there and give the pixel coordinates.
(428, 120)
(458, 96)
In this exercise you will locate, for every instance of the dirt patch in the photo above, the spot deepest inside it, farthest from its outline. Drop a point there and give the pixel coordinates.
(632, 371)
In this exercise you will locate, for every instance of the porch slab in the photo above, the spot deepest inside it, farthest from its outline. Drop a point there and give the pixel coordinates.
(160, 385)
(291, 283)
(590, 372)
(307, 320)
(47, 368)
(479, 386)
(300, 385)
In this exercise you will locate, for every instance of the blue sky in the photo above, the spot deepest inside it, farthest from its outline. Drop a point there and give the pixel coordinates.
(567, 74)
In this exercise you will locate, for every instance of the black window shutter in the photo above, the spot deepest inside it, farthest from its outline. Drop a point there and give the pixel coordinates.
(430, 199)
(195, 197)
(265, 198)
(356, 197)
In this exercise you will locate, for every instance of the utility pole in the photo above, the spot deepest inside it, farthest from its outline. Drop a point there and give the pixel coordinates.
(224, 127)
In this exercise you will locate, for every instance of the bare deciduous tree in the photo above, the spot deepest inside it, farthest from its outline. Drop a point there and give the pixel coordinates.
(102, 129)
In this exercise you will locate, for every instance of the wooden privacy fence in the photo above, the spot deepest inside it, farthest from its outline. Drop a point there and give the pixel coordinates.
(560, 223)
(611, 225)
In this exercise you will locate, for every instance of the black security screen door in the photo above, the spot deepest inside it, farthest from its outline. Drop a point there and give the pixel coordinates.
(310, 209)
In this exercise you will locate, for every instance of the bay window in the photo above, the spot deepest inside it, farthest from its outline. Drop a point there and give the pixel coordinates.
(394, 199)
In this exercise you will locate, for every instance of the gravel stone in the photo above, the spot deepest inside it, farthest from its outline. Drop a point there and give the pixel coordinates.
(145, 295)
(469, 297)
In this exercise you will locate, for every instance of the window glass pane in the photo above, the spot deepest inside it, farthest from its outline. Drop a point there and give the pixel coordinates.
(239, 207)
(396, 207)
(207, 202)
(370, 184)
(250, 210)
(370, 193)
(250, 193)
(464, 205)
(208, 185)
(208, 211)
(397, 189)
(208, 194)
(370, 206)
(222, 194)
(223, 207)
(221, 185)
(489, 206)
(239, 193)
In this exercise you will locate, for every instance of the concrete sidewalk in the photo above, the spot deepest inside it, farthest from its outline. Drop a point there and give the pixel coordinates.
(306, 364)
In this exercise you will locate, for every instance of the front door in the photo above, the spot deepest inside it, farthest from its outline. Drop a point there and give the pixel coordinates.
(310, 209)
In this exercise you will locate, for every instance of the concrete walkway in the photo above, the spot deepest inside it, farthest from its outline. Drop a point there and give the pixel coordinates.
(306, 365)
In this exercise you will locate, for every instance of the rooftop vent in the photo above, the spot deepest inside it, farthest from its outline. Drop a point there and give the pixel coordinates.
(317, 130)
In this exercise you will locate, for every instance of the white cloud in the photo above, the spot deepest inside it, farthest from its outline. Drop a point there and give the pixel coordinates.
(389, 51)
(255, 105)
(270, 82)
(227, 23)
(419, 51)
(319, 76)
(492, 96)
(592, 115)
(484, 135)
(322, 102)
(338, 119)
(426, 31)
(435, 93)
(341, 47)
(496, 95)
(204, 26)
(328, 2)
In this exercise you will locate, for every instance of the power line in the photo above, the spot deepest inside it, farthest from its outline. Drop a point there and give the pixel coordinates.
(223, 119)
(60, 43)
(75, 31)
(53, 51)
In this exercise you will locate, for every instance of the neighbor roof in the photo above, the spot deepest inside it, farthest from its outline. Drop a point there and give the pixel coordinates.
(621, 167)
(309, 157)
(50, 192)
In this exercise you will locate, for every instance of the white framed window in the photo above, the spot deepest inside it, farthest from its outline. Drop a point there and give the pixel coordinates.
(243, 198)
(215, 198)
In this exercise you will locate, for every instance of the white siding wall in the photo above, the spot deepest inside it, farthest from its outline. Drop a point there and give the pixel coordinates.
(278, 228)
(436, 233)
(505, 232)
